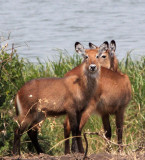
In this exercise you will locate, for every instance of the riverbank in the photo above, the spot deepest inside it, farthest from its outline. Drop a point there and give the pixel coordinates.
(101, 156)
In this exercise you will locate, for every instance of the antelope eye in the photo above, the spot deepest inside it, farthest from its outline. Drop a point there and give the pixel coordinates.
(86, 57)
(103, 56)
(97, 56)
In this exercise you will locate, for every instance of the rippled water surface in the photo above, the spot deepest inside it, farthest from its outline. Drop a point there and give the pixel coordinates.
(39, 27)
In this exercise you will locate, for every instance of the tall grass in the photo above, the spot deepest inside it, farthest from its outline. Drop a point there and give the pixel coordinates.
(15, 72)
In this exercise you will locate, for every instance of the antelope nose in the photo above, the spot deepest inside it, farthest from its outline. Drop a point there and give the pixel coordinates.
(93, 67)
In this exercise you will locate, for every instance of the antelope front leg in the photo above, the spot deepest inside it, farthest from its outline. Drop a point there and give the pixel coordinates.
(84, 118)
(67, 130)
(107, 129)
(79, 138)
(74, 128)
(119, 126)
(106, 125)
(67, 134)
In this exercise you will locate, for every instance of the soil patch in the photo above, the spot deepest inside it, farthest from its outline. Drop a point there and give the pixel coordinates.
(100, 156)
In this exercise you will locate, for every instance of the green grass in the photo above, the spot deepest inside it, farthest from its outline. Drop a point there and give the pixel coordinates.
(14, 72)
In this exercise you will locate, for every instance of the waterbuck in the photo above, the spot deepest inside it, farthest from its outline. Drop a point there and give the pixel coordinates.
(113, 93)
(44, 97)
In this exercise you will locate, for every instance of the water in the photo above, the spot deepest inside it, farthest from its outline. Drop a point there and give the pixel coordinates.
(38, 27)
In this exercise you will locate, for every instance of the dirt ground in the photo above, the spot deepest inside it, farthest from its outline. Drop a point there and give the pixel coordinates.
(101, 156)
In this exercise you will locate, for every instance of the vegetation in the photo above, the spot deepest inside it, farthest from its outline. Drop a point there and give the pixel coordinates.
(15, 71)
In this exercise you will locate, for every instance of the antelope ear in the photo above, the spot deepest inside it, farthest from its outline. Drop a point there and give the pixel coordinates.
(112, 46)
(79, 48)
(104, 46)
(92, 46)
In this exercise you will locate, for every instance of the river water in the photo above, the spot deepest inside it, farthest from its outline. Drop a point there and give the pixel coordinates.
(39, 27)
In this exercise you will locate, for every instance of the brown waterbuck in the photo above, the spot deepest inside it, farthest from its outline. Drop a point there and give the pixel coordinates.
(113, 94)
(44, 97)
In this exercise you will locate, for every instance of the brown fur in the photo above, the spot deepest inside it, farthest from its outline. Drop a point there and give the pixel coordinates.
(44, 97)
(113, 94)
(114, 64)
(108, 58)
